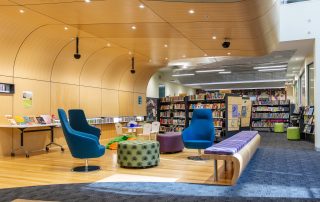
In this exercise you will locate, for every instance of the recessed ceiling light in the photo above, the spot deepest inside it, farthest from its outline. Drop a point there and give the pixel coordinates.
(87, 1)
(205, 55)
(165, 45)
(229, 53)
(183, 56)
(271, 70)
(150, 60)
(166, 58)
(133, 27)
(66, 28)
(228, 72)
(130, 52)
(214, 37)
(21, 11)
(177, 75)
(191, 11)
(209, 70)
(269, 67)
(141, 6)
(108, 44)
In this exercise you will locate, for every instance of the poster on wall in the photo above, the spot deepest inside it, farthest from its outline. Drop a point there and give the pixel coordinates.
(151, 109)
(27, 99)
(235, 112)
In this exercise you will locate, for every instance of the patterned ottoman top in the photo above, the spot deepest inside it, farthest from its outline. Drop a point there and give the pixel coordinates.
(138, 142)
(233, 144)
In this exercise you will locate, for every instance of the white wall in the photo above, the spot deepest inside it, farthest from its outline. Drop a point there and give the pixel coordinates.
(172, 89)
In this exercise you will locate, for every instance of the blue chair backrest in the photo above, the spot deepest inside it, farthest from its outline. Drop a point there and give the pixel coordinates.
(202, 125)
(78, 120)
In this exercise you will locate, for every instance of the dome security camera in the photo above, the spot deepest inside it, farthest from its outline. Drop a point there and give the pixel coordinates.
(226, 43)
(132, 71)
(77, 56)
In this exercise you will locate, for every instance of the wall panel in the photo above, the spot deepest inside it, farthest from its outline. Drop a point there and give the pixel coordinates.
(139, 109)
(110, 102)
(64, 96)
(90, 101)
(125, 103)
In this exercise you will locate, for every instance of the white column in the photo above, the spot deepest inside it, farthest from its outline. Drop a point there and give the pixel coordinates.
(317, 92)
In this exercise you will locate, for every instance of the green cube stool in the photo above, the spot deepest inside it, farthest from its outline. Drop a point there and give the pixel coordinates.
(293, 133)
(138, 153)
(278, 127)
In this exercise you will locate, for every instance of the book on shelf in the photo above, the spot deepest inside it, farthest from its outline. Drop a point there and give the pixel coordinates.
(10, 120)
(19, 120)
(273, 102)
(40, 120)
(308, 110)
(46, 118)
(197, 97)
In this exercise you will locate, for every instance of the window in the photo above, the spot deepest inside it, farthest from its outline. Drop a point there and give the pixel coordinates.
(310, 68)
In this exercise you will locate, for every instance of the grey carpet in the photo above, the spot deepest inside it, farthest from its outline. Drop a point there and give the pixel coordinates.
(281, 170)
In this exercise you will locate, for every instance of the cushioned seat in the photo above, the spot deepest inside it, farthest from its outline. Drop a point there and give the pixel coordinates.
(138, 153)
(293, 133)
(170, 142)
(233, 144)
(278, 127)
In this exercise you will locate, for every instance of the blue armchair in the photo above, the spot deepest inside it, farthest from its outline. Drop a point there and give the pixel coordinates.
(200, 134)
(78, 121)
(81, 145)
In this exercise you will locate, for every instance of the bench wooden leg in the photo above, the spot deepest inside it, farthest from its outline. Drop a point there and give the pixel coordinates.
(215, 170)
(225, 165)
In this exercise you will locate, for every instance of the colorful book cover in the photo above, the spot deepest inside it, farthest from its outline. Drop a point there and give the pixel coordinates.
(19, 120)
(40, 120)
(33, 120)
(27, 120)
(46, 118)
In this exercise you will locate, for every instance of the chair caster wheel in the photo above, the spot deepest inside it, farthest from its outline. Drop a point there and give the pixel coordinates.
(12, 154)
(47, 149)
(62, 149)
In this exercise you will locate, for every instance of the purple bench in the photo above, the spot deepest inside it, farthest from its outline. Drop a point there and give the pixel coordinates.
(237, 149)
(233, 144)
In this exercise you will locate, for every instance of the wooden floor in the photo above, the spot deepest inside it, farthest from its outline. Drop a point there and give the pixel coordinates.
(55, 168)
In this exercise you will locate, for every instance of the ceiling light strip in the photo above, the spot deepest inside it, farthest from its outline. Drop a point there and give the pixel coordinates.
(178, 75)
(270, 67)
(271, 70)
(236, 82)
(228, 72)
(210, 70)
(243, 88)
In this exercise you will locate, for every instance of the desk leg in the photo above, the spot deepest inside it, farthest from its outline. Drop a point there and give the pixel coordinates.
(52, 140)
(13, 152)
(215, 170)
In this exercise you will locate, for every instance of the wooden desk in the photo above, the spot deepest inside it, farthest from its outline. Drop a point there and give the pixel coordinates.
(34, 128)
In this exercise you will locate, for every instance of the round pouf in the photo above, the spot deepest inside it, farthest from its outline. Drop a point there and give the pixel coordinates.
(278, 127)
(138, 153)
(293, 133)
(170, 142)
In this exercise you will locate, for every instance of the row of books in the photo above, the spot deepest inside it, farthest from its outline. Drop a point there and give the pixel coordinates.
(215, 114)
(271, 115)
(4, 88)
(207, 106)
(165, 114)
(266, 124)
(30, 120)
(272, 102)
(171, 129)
(179, 114)
(172, 99)
(308, 110)
(217, 123)
(197, 97)
(270, 109)
(215, 96)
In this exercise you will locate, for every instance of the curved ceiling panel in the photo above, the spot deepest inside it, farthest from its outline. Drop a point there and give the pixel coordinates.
(15, 27)
(142, 80)
(113, 73)
(96, 64)
(38, 52)
(66, 68)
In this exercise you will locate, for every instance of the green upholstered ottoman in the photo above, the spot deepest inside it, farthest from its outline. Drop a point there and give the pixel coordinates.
(293, 133)
(138, 153)
(278, 127)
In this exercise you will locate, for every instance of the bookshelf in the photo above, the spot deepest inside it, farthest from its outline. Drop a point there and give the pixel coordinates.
(6, 88)
(265, 113)
(172, 113)
(214, 101)
(308, 123)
